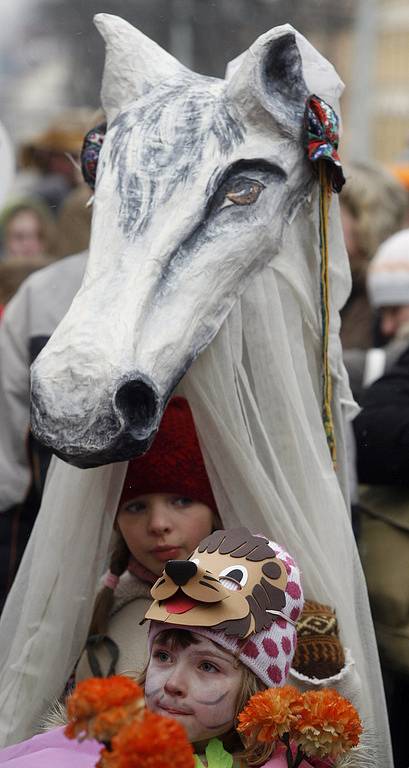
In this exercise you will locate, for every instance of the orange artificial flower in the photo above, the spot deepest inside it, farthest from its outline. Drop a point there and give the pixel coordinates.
(153, 742)
(98, 694)
(270, 714)
(328, 725)
(99, 707)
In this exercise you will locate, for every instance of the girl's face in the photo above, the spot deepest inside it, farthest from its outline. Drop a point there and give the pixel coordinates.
(24, 238)
(158, 527)
(198, 686)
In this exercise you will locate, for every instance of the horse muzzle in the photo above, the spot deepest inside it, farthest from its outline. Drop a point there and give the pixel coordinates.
(118, 429)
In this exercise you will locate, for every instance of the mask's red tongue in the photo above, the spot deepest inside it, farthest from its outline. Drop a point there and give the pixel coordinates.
(180, 603)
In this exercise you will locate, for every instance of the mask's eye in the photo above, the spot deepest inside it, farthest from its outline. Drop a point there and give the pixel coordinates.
(234, 577)
(242, 191)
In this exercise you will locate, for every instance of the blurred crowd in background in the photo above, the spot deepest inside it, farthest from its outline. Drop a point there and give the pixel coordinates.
(45, 217)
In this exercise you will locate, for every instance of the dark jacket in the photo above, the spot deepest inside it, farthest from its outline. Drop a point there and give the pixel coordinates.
(382, 428)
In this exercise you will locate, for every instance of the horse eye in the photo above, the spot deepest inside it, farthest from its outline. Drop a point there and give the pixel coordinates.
(243, 192)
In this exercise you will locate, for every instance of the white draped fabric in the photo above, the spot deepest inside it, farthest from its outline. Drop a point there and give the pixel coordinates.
(256, 398)
(46, 617)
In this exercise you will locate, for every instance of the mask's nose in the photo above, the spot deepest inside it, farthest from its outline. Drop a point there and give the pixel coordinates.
(180, 571)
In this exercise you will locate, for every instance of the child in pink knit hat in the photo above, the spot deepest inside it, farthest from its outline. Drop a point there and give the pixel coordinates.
(222, 628)
(259, 586)
(222, 632)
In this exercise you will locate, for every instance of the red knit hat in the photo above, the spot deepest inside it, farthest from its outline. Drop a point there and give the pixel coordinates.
(174, 463)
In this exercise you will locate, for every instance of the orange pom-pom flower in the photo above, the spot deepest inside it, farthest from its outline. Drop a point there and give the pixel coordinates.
(316, 724)
(328, 725)
(153, 742)
(99, 707)
(270, 714)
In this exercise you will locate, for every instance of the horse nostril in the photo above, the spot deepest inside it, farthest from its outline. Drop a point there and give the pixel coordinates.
(138, 403)
(180, 571)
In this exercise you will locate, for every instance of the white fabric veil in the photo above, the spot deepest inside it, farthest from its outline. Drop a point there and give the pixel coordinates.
(256, 399)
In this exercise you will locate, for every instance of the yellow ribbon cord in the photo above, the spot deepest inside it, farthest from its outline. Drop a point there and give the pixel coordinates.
(325, 199)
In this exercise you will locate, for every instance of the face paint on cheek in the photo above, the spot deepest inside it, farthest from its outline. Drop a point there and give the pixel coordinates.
(162, 684)
(154, 683)
(149, 692)
(216, 714)
(216, 701)
(211, 711)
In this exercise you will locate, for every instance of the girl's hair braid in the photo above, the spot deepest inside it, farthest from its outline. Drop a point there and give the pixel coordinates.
(104, 600)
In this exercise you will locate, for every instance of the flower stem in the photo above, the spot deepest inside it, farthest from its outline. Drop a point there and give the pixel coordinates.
(298, 758)
(289, 755)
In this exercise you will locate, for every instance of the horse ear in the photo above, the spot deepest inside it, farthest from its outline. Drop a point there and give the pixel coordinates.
(270, 76)
(133, 63)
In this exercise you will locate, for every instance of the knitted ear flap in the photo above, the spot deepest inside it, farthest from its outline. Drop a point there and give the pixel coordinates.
(319, 653)
(90, 152)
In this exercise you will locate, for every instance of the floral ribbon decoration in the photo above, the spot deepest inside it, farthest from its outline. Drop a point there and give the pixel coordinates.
(321, 128)
(90, 153)
(322, 133)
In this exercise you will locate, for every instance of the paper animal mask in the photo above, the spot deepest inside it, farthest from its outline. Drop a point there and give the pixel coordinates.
(233, 582)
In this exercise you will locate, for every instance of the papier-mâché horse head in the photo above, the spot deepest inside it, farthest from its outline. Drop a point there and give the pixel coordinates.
(233, 582)
(197, 180)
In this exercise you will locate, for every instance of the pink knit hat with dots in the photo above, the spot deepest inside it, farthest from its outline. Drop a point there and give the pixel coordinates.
(267, 653)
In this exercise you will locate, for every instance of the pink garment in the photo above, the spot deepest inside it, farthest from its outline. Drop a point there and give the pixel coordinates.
(142, 573)
(54, 750)
(51, 750)
(279, 760)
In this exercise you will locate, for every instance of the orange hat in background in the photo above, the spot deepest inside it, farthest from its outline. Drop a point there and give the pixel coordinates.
(65, 133)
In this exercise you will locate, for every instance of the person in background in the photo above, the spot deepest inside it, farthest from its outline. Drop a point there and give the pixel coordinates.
(382, 447)
(74, 222)
(12, 274)
(388, 295)
(49, 161)
(373, 207)
(28, 321)
(27, 231)
(388, 287)
(381, 426)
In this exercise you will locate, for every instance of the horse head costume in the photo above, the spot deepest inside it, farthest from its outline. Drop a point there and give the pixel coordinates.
(197, 180)
(206, 273)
